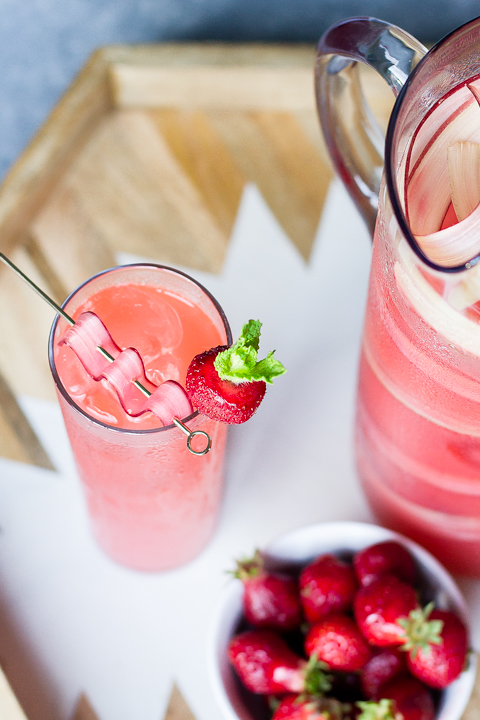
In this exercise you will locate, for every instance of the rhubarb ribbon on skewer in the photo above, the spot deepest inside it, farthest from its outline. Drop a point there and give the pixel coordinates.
(168, 401)
(125, 371)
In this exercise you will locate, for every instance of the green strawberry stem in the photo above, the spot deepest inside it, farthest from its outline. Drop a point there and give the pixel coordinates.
(239, 362)
(317, 681)
(381, 710)
(249, 568)
(421, 632)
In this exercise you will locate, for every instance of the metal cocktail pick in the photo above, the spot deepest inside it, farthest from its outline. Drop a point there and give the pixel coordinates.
(181, 426)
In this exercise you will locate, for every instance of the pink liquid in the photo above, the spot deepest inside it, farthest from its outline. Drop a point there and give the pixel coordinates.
(165, 328)
(418, 425)
(152, 504)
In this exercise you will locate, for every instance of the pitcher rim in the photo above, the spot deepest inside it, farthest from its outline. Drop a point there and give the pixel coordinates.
(390, 175)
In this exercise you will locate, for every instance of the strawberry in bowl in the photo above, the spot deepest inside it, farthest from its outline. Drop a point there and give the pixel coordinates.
(357, 679)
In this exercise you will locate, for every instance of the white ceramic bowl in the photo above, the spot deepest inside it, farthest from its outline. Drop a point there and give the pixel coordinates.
(298, 548)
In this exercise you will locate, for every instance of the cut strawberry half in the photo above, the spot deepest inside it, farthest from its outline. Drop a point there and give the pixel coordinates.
(228, 383)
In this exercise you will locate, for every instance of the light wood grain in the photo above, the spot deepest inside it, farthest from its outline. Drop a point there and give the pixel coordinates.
(38, 169)
(177, 707)
(139, 199)
(274, 152)
(227, 55)
(472, 711)
(65, 243)
(206, 161)
(213, 88)
(17, 438)
(214, 76)
(25, 323)
(9, 706)
(84, 710)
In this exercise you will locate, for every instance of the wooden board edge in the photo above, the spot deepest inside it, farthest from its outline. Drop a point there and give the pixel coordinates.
(244, 87)
(210, 54)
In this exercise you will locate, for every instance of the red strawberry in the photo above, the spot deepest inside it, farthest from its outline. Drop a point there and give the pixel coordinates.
(403, 699)
(437, 646)
(270, 600)
(227, 383)
(337, 641)
(266, 665)
(385, 557)
(327, 585)
(220, 399)
(380, 605)
(385, 665)
(295, 707)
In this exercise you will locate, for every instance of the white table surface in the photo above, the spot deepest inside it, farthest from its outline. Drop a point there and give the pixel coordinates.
(71, 620)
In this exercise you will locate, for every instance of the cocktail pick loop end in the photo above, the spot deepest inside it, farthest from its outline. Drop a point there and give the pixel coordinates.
(192, 434)
(178, 423)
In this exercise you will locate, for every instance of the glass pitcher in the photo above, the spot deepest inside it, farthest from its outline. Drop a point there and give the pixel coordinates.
(418, 410)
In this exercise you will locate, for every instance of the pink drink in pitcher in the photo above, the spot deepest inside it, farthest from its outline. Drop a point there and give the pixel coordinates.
(418, 420)
(420, 469)
(418, 417)
(153, 505)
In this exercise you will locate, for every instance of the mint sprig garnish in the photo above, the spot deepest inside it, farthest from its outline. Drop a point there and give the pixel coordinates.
(239, 362)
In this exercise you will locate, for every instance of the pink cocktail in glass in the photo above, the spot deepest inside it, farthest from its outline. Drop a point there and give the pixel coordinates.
(152, 504)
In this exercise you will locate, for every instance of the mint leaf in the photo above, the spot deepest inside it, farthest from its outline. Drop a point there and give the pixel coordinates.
(239, 362)
(251, 333)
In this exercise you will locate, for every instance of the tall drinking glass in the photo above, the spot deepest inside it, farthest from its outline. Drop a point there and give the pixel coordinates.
(152, 504)
(418, 416)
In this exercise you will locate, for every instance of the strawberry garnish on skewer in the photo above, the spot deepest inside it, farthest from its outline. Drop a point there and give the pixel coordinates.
(228, 383)
(270, 599)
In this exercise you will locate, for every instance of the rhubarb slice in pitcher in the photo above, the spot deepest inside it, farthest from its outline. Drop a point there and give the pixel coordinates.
(446, 172)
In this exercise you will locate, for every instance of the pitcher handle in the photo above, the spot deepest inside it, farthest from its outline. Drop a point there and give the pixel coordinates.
(353, 137)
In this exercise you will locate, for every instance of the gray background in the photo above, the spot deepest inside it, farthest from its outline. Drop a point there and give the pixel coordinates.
(43, 43)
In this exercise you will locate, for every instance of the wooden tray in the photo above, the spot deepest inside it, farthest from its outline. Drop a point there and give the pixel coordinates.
(148, 152)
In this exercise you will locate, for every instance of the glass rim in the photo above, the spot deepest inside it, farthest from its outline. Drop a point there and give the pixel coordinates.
(56, 378)
(389, 172)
